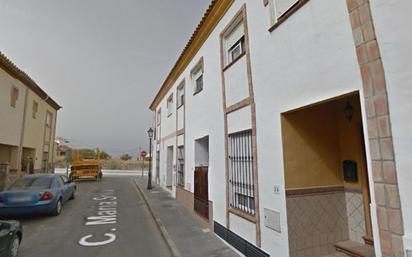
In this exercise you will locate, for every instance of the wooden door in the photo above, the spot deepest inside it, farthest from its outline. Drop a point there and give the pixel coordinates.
(201, 197)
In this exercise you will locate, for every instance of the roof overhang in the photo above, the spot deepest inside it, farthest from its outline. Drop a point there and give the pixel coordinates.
(217, 9)
(20, 75)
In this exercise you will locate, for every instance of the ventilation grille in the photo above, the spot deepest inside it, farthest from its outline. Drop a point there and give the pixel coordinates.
(243, 246)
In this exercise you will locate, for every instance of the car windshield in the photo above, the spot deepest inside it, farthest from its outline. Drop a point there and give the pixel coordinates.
(31, 183)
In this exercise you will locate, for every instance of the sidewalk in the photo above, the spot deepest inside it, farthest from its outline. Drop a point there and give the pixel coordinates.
(183, 232)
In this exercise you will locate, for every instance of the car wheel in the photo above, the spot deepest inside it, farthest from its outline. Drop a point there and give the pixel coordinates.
(14, 246)
(58, 208)
(73, 194)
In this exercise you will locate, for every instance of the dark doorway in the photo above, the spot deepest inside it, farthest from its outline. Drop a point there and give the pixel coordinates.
(201, 197)
(201, 191)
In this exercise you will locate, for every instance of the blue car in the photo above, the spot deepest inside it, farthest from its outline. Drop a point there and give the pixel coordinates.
(36, 194)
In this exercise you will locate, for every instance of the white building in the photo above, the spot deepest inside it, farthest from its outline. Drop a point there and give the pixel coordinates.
(284, 124)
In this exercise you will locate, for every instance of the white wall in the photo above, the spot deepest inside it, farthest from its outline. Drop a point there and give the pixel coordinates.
(391, 19)
(202, 152)
(236, 82)
(180, 117)
(243, 228)
(309, 58)
(239, 120)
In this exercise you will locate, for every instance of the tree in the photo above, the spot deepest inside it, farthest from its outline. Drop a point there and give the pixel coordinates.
(86, 153)
(126, 157)
(104, 155)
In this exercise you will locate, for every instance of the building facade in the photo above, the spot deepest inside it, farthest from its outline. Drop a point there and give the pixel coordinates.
(27, 123)
(283, 124)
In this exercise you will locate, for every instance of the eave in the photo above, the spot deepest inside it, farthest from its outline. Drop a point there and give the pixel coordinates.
(217, 9)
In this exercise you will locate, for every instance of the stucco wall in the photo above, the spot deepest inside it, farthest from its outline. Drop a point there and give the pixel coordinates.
(311, 148)
(309, 58)
(11, 118)
(35, 134)
(394, 38)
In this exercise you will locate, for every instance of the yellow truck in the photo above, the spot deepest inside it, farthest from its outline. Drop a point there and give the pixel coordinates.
(85, 168)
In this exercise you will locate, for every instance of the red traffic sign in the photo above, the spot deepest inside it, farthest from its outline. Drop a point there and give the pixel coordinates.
(143, 153)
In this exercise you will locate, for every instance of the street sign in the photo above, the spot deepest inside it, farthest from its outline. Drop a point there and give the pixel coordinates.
(143, 153)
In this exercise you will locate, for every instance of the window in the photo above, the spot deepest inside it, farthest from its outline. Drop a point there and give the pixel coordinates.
(60, 182)
(158, 116)
(170, 105)
(198, 81)
(158, 119)
(14, 96)
(241, 186)
(35, 109)
(234, 40)
(27, 183)
(283, 6)
(65, 179)
(48, 120)
(236, 50)
(280, 10)
(180, 166)
(181, 95)
(197, 77)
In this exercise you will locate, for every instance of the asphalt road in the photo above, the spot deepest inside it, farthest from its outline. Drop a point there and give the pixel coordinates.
(123, 228)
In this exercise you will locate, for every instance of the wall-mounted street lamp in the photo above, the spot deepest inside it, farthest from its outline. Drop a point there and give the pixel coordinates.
(348, 110)
(149, 181)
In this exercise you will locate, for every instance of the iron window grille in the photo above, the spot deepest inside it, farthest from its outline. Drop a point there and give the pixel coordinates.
(157, 164)
(241, 182)
(180, 166)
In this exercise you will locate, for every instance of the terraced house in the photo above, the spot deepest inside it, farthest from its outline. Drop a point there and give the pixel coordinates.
(27, 124)
(285, 124)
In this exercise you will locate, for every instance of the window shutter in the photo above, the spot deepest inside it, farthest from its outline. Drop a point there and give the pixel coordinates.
(237, 33)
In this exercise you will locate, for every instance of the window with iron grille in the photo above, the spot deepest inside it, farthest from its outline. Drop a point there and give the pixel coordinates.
(180, 166)
(241, 186)
(157, 164)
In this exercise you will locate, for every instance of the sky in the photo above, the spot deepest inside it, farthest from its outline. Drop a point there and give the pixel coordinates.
(103, 61)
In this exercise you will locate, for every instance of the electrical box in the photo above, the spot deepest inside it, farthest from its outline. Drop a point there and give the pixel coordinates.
(272, 219)
(350, 171)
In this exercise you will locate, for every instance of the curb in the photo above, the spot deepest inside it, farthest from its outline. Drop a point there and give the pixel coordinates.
(169, 241)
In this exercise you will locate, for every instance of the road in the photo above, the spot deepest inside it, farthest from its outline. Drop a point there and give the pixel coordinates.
(127, 223)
